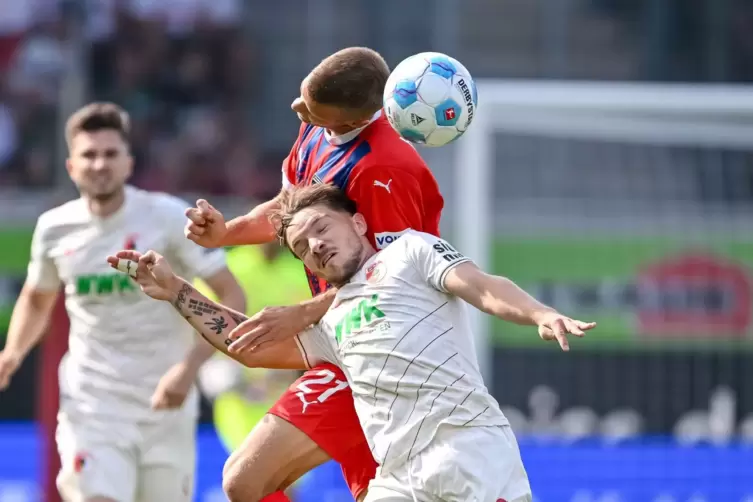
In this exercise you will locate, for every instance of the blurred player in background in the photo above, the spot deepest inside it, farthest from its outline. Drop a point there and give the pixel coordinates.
(344, 140)
(128, 404)
(400, 329)
(270, 276)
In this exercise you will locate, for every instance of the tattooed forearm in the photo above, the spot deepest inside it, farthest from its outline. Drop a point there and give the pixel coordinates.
(183, 293)
(180, 300)
(217, 324)
(195, 308)
(200, 308)
(238, 318)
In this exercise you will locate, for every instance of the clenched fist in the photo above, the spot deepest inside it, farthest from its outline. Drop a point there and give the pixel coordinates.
(206, 225)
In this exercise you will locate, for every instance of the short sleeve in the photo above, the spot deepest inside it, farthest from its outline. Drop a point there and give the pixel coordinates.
(433, 257)
(291, 161)
(197, 261)
(285, 181)
(42, 273)
(315, 347)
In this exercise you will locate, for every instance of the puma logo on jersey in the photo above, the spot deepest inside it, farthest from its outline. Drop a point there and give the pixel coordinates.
(305, 403)
(386, 186)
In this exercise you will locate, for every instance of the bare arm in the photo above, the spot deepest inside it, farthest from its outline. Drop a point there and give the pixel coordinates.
(214, 322)
(253, 227)
(273, 324)
(495, 295)
(207, 227)
(27, 326)
(314, 309)
(500, 297)
(230, 293)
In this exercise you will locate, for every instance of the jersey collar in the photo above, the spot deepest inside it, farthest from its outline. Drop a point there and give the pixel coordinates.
(349, 136)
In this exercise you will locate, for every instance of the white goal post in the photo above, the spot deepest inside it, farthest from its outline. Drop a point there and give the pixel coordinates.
(653, 114)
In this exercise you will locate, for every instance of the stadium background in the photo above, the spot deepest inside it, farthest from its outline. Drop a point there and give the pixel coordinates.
(655, 406)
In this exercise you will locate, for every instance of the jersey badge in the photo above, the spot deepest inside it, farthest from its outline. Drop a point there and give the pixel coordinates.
(376, 272)
(130, 242)
(79, 462)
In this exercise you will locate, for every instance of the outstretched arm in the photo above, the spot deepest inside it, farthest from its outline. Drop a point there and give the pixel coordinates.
(253, 227)
(447, 270)
(212, 321)
(502, 298)
(206, 226)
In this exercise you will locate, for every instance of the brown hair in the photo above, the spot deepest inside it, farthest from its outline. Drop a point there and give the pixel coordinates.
(295, 199)
(97, 117)
(352, 78)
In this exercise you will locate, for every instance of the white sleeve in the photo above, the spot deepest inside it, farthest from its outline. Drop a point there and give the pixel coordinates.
(285, 181)
(196, 260)
(433, 257)
(315, 347)
(42, 273)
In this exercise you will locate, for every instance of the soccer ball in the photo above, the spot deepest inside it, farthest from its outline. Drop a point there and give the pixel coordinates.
(430, 99)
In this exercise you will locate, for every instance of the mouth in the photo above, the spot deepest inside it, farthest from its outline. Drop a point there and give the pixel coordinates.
(327, 258)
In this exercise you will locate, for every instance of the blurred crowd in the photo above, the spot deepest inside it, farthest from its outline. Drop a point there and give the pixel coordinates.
(182, 69)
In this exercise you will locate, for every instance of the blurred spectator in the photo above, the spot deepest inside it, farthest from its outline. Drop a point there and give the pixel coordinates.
(180, 68)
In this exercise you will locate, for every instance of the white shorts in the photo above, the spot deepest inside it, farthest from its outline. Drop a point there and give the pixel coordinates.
(126, 461)
(462, 464)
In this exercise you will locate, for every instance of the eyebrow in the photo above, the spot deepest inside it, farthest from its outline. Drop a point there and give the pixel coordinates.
(308, 224)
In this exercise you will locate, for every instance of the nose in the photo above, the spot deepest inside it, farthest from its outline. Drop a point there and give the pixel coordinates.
(297, 104)
(99, 163)
(315, 245)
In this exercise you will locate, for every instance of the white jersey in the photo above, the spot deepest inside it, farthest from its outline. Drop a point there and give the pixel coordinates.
(406, 348)
(121, 341)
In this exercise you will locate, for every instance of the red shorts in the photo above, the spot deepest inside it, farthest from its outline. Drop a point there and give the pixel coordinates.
(320, 404)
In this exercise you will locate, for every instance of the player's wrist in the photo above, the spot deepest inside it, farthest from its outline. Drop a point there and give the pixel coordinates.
(13, 356)
(174, 286)
(540, 315)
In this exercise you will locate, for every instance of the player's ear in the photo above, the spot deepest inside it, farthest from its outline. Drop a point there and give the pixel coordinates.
(357, 124)
(359, 223)
(129, 165)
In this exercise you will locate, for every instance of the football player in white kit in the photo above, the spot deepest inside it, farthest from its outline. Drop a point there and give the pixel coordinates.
(400, 330)
(128, 404)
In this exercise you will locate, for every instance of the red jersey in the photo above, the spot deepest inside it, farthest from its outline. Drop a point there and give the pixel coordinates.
(384, 174)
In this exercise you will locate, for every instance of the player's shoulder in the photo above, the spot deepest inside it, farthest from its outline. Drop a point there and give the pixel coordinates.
(389, 151)
(68, 213)
(159, 206)
(409, 241)
(156, 199)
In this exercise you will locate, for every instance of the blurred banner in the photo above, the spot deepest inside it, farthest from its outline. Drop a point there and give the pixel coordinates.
(645, 292)
(649, 470)
(15, 255)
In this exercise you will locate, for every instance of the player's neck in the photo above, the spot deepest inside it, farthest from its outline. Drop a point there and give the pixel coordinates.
(368, 252)
(102, 208)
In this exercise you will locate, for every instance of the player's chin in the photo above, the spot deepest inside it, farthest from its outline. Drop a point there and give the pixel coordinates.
(104, 191)
(334, 275)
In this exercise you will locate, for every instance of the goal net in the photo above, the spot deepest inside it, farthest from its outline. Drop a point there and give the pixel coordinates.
(629, 204)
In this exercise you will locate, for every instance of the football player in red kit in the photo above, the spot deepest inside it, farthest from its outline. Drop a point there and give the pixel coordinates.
(344, 140)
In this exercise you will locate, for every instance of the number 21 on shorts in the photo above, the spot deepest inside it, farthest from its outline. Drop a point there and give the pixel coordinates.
(326, 377)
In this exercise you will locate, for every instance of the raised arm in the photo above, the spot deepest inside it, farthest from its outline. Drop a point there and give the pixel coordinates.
(207, 227)
(212, 321)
